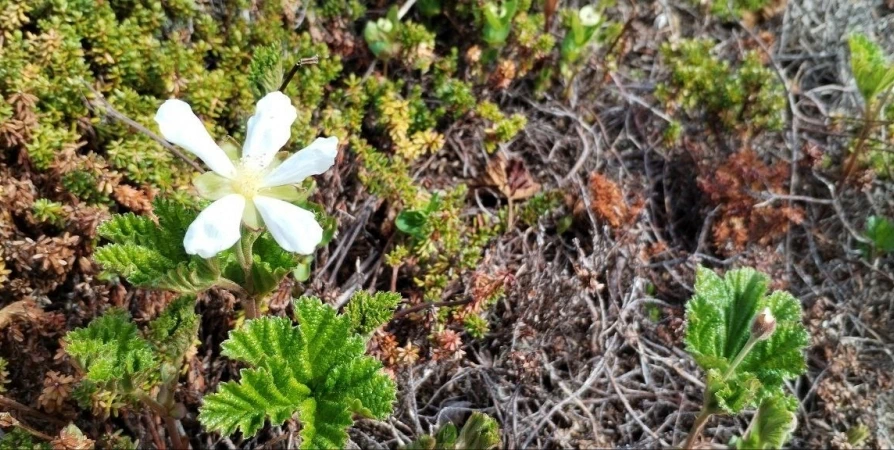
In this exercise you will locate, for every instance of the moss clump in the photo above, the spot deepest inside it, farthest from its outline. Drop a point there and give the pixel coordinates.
(747, 97)
(136, 54)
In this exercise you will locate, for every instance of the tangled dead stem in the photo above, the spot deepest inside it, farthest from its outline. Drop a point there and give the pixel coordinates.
(584, 348)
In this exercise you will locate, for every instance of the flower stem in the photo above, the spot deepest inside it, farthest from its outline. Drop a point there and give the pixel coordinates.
(246, 260)
(707, 411)
(696, 430)
(869, 115)
(742, 354)
(165, 413)
(301, 62)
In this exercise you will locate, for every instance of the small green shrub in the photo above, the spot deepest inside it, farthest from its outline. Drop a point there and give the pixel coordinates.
(121, 365)
(748, 98)
(730, 11)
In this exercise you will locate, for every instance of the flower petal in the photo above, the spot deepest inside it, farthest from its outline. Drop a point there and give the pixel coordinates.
(314, 159)
(268, 130)
(294, 229)
(212, 186)
(180, 125)
(217, 228)
(250, 217)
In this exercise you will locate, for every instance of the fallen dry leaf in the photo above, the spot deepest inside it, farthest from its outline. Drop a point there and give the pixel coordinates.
(607, 200)
(511, 178)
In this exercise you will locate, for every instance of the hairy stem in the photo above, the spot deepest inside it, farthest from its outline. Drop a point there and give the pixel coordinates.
(707, 411)
(696, 430)
(231, 285)
(244, 254)
(869, 114)
(742, 354)
(171, 424)
(164, 411)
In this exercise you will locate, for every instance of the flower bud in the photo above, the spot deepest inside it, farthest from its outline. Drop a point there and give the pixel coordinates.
(764, 325)
(385, 25)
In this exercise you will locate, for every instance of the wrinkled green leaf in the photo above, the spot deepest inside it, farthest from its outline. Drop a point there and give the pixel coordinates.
(481, 431)
(368, 312)
(718, 325)
(110, 350)
(151, 255)
(872, 72)
(772, 426)
(316, 369)
(174, 331)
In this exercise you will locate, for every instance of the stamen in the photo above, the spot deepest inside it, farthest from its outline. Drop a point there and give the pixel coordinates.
(247, 181)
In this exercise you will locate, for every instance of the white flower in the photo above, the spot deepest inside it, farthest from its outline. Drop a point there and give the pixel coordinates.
(256, 184)
(589, 16)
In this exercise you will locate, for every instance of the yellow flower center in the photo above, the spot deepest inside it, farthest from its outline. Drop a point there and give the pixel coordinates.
(247, 181)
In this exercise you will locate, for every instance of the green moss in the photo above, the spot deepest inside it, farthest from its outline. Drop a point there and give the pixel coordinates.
(138, 53)
(501, 128)
(730, 11)
(747, 97)
(49, 212)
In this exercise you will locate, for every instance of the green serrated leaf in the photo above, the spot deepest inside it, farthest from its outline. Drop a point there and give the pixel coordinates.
(151, 255)
(772, 426)
(368, 312)
(323, 424)
(719, 318)
(265, 73)
(110, 350)
(271, 264)
(246, 404)
(446, 437)
(316, 369)
(872, 72)
(782, 356)
(174, 331)
(732, 394)
(481, 431)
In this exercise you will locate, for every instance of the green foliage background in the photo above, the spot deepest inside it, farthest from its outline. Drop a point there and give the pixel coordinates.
(136, 54)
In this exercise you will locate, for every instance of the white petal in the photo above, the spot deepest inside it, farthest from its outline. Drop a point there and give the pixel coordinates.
(314, 159)
(295, 230)
(179, 125)
(217, 228)
(212, 186)
(269, 129)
